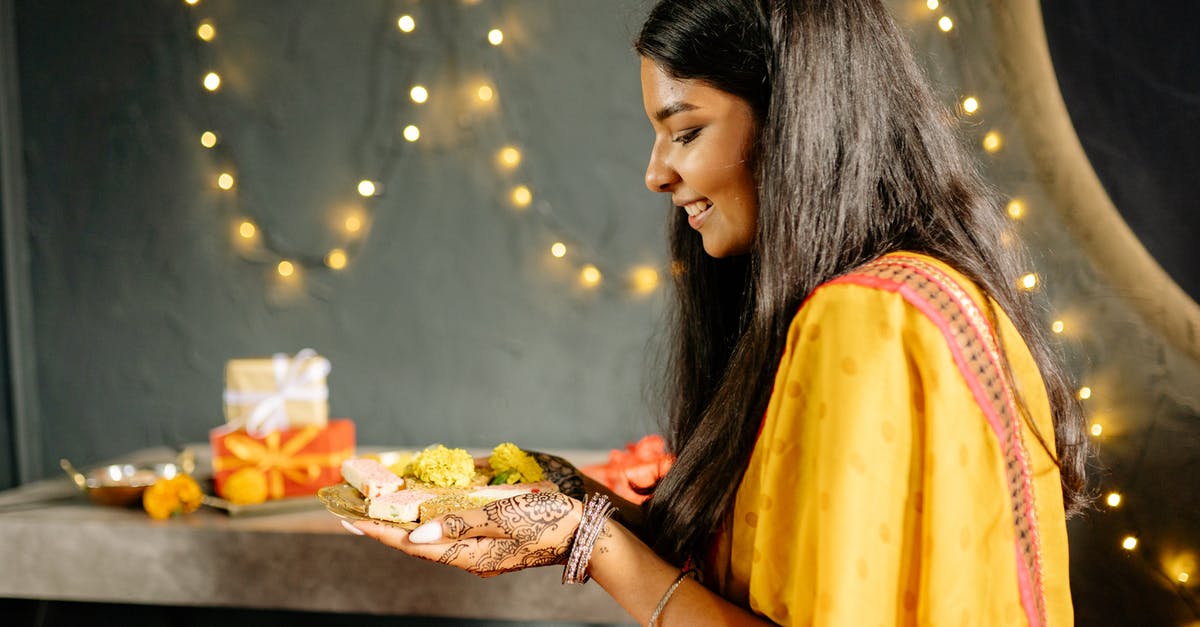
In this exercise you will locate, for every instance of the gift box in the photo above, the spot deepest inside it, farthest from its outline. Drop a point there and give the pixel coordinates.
(295, 462)
(276, 393)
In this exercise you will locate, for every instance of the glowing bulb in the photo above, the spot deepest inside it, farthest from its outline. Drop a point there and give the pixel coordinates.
(353, 224)
(418, 94)
(590, 276)
(1085, 393)
(285, 268)
(932, 4)
(336, 259)
(1113, 499)
(1016, 209)
(1058, 326)
(1129, 543)
(644, 279)
(212, 81)
(1182, 576)
(1029, 281)
(206, 31)
(208, 139)
(559, 250)
(412, 133)
(406, 23)
(485, 93)
(1097, 429)
(247, 229)
(521, 196)
(225, 181)
(495, 36)
(366, 188)
(970, 105)
(992, 142)
(945, 24)
(509, 157)
(192, 3)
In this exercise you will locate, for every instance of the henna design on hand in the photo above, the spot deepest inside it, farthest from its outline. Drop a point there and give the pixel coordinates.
(538, 531)
(562, 472)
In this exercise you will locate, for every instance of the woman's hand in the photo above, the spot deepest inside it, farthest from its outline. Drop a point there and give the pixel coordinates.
(512, 534)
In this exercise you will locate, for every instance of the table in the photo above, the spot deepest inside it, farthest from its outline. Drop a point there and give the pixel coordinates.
(62, 547)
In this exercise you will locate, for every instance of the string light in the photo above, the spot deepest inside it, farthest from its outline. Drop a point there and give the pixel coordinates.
(208, 139)
(336, 259)
(225, 181)
(485, 93)
(191, 3)
(285, 268)
(353, 224)
(206, 31)
(1058, 326)
(945, 24)
(495, 37)
(1097, 429)
(509, 157)
(418, 94)
(644, 279)
(412, 133)
(1183, 576)
(932, 4)
(212, 81)
(1113, 499)
(406, 23)
(247, 229)
(1016, 209)
(1129, 543)
(1029, 281)
(992, 142)
(559, 250)
(970, 104)
(366, 188)
(590, 276)
(522, 196)
(1085, 393)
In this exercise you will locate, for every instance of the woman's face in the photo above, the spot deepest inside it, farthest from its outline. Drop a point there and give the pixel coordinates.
(702, 142)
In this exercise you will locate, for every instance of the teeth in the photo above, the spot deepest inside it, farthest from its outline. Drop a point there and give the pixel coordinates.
(696, 208)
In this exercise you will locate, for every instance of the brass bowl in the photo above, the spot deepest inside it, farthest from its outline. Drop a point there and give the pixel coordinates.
(120, 484)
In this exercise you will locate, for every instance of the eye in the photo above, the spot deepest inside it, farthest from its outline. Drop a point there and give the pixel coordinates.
(687, 137)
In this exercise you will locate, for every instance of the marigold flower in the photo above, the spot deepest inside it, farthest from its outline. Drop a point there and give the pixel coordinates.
(167, 497)
(512, 465)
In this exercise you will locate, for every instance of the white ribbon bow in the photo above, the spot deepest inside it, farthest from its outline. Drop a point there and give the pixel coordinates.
(293, 382)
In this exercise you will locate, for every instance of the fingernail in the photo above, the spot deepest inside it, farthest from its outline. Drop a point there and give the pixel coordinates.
(352, 529)
(426, 533)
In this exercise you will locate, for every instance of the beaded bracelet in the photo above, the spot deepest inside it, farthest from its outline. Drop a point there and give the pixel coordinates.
(662, 603)
(596, 511)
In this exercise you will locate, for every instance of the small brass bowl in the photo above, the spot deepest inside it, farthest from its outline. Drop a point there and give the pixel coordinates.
(120, 484)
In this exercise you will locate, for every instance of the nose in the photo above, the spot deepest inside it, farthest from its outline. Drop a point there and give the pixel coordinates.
(660, 176)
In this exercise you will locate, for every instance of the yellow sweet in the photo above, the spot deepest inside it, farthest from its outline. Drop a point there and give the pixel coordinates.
(247, 486)
(443, 467)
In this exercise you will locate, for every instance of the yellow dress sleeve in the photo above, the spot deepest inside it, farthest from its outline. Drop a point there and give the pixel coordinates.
(877, 493)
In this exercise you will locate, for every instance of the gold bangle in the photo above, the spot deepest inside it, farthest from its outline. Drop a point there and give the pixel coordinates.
(667, 597)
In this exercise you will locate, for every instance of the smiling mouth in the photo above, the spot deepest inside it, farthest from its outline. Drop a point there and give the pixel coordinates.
(696, 208)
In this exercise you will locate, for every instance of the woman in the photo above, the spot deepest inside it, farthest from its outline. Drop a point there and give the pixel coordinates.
(869, 424)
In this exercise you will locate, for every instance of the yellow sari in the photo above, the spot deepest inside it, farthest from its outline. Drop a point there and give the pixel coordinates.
(894, 481)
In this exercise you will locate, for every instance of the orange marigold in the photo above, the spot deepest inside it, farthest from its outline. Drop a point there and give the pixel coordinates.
(166, 497)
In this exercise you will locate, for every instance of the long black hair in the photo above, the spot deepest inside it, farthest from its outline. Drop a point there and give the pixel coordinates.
(854, 159)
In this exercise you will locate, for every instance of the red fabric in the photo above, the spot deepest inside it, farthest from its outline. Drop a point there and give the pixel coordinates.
(640, 464)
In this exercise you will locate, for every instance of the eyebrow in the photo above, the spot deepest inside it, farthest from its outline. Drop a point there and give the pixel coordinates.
(672, 109)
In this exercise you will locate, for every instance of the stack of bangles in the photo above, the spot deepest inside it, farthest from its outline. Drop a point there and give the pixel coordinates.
(596, 511)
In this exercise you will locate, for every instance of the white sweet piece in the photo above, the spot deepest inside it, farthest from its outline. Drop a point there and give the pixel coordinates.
(370, 477)
(497, 492)
(402, 506)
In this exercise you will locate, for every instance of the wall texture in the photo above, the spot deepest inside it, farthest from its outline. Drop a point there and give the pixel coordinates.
(451, 322)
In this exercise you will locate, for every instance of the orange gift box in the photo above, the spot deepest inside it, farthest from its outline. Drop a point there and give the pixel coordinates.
(296, 462)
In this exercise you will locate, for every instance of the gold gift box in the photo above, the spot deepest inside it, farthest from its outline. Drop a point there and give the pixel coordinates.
(275, 393)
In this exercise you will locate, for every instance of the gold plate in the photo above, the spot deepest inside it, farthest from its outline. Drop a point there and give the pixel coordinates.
(343, 501)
